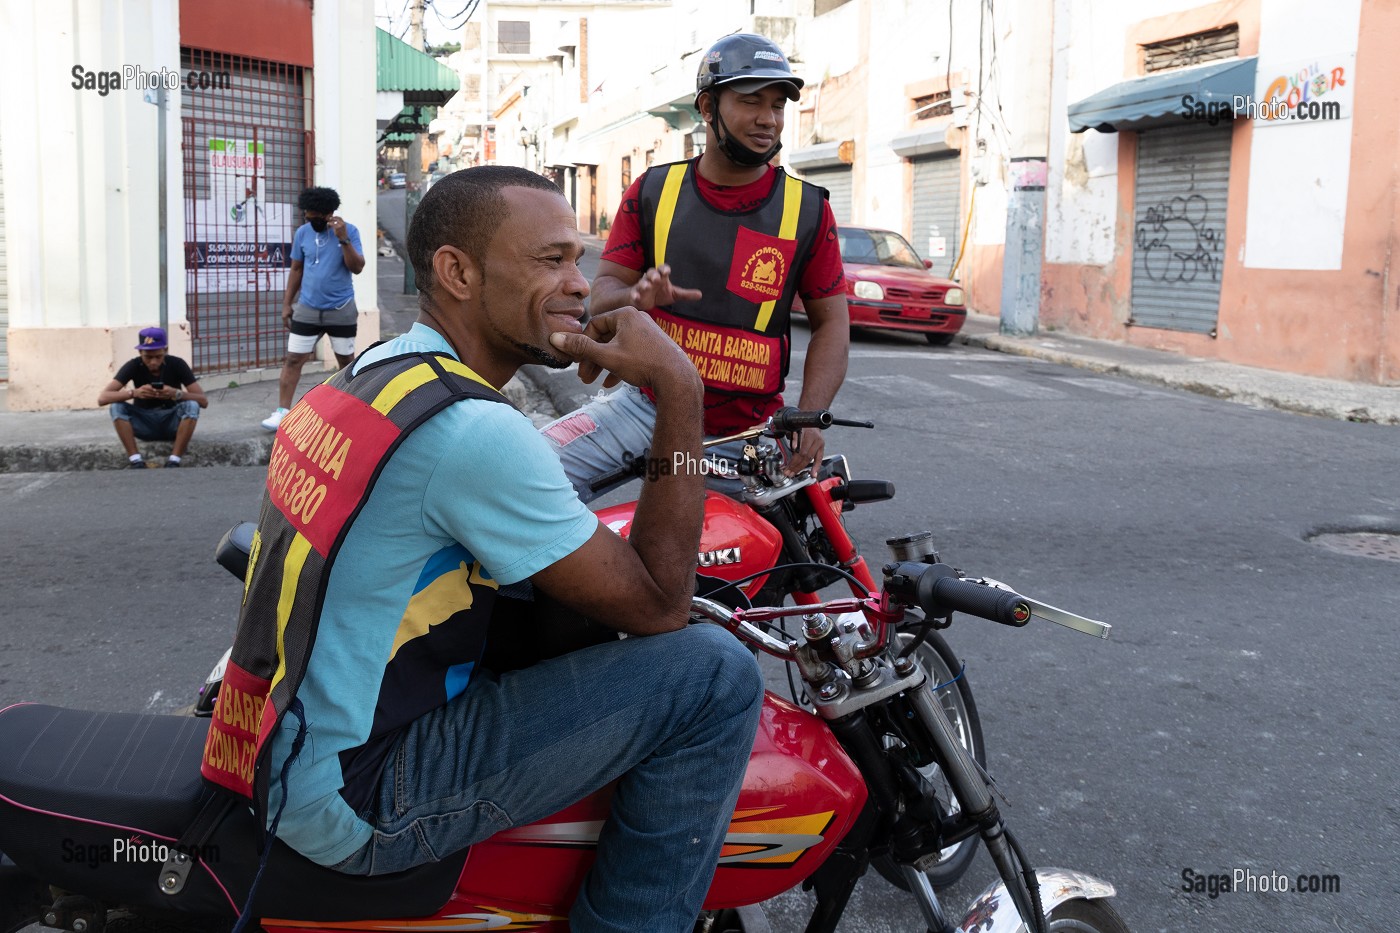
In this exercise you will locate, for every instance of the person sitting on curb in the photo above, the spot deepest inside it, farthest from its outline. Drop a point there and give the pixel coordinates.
(320, 295)
(162, 403)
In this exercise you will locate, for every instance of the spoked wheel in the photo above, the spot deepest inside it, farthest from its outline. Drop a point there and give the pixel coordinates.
(943, 666)
(1084, 916)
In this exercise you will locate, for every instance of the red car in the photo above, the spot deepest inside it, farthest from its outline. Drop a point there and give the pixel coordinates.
(889, 287)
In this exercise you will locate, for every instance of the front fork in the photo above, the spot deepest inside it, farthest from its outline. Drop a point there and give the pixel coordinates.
(967, 783)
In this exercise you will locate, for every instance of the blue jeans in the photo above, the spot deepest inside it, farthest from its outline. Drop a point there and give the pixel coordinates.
(670, 717)
(155, 424)
(613, 428)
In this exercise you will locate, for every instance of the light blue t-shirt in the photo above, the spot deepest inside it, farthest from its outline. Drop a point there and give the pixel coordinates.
(325, 281)
(475, 484)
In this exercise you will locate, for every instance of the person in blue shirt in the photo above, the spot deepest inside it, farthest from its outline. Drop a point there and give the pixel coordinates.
(320, 295)
(413, 749)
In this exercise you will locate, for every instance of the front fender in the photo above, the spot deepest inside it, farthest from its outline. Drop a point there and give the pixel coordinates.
(995, 912)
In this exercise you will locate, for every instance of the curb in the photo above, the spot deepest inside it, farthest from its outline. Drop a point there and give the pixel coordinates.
(560, 386)
(28, 458)
(1213, 388)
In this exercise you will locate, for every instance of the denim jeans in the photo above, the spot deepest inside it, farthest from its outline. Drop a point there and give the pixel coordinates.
(670, 717)
(155, 424)
(594, 439)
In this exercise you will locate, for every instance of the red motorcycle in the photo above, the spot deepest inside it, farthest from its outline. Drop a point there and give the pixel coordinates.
(785, 538)
(104, 819)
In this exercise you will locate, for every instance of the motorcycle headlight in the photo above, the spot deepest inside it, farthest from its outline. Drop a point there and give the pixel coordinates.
(954, 296)
(871, 291)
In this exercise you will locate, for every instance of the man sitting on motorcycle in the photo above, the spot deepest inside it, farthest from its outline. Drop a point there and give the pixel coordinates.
(406, 499)
(746, 238)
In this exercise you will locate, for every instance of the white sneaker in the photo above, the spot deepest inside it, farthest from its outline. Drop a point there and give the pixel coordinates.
(273, 420)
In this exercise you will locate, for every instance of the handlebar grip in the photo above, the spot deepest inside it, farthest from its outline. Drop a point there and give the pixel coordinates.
(791, 419)
(976, 599)
(939, 591)
(612, 477)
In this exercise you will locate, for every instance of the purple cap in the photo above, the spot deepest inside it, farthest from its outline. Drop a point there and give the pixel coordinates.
(152, 338)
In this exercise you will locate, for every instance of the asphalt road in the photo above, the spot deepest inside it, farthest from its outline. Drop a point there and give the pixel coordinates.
(1236, 718)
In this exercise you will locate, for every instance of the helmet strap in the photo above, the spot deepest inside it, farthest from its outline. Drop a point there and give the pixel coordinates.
(736, 151)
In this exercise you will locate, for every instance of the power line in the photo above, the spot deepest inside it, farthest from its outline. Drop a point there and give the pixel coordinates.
(468, 9)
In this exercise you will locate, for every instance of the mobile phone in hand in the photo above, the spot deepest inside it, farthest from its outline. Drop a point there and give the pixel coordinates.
(157, 385)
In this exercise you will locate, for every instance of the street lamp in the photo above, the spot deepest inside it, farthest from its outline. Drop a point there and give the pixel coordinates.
(697, 138)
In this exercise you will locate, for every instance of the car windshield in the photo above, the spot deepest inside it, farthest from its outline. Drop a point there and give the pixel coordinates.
(877, 248)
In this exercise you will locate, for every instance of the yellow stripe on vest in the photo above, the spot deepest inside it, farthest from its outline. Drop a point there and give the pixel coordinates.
(402, 384)
(291, 575)
(462, 369)
(787, 230)
(666, 210)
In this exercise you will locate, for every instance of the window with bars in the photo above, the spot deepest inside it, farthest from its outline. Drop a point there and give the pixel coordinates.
(937, 104)
(626, 171)
(513, 37)
(1196, 49)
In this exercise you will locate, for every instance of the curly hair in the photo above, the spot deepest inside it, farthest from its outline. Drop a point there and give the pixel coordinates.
(464, 210)
(320, 200)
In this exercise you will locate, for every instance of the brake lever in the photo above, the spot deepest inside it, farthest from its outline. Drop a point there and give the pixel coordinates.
(1052, 614)
(847, 423)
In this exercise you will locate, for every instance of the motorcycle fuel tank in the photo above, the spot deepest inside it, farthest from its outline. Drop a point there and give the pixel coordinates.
(735, 541)
(800, 797)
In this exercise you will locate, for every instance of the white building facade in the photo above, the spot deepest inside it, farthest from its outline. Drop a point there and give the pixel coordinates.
(267, 97)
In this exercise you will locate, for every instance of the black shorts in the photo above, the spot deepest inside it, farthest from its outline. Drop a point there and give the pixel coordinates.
(304, 329)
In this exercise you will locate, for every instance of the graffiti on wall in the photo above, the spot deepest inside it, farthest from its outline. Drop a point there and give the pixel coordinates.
(1176, 243)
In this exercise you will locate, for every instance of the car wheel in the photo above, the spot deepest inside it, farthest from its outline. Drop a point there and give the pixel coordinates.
(939, 340)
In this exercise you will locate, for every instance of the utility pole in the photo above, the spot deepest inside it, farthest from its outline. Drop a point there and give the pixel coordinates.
(1028, 68)
(413, 187)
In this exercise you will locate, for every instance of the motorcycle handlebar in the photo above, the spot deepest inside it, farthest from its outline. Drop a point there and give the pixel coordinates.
(939, 591)
(604, 480)
(787, 420)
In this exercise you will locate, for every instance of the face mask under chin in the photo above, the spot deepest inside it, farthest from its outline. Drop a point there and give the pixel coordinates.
(737, 152)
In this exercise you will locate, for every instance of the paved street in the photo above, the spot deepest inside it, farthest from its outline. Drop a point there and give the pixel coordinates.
(1235, 719)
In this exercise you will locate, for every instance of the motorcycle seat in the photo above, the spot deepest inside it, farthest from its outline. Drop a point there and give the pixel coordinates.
(89, 801)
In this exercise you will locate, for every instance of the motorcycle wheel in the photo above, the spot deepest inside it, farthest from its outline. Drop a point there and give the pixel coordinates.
(748, 919)
(1085, 916)
(942, 665)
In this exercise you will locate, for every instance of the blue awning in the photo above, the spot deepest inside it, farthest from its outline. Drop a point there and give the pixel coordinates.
(1160, 98)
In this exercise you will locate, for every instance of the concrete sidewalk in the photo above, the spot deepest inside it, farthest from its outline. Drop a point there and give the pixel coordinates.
(229, 432)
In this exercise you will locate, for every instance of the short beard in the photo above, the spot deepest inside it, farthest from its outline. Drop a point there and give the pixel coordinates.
(543, 357)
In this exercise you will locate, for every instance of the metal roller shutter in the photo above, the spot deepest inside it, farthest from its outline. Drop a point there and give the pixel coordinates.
(4, 286)
(247, 151)
(937, 225)
(1183, 178)
(837, 182)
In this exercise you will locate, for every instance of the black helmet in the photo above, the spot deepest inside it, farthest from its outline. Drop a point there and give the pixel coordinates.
(746, 62)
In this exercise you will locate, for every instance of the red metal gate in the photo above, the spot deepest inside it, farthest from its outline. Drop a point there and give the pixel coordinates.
(248, 153)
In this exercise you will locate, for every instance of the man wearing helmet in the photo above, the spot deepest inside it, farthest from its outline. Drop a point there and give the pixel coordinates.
(715, 250)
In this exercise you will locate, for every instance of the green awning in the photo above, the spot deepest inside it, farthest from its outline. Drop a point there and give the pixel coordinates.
(1159, 98)
(421, 78)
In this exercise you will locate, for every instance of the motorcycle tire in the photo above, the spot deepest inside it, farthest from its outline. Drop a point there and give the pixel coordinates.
(942, 665)
(1085, 916)
(750, 919)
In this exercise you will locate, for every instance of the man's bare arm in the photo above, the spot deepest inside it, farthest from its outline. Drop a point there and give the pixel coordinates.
(824, 371)
(641, 585)
(616, 286)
